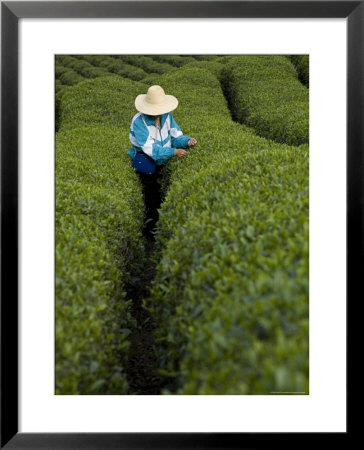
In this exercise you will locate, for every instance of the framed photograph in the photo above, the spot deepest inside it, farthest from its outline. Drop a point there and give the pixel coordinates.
(181, 216)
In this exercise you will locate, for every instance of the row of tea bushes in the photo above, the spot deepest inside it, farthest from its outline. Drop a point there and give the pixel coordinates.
(115, 66)
(213, 66)
(134, 67)
(69, 77)
(99, 213)
(265, 93)
(231, 290)
(99, 242)
(59, 91)
(60, 70)
(99, 101)
(58, 85)
(149, 80)
(108, 101)
(92, 161)
(174, 60)
(232, 286)
(302, 64)
(74, 71)
(80, 66)
(204, 57)
(147, 68)
(147, 63)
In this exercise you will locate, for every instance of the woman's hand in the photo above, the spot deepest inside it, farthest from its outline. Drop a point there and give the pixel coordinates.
(180, 152)
(192, 142)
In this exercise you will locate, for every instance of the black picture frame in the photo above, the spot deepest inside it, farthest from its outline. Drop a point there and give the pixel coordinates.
(11, 12)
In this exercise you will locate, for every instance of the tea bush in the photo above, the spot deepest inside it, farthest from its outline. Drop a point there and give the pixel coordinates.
(61, 89)
(91, 346)
(99, 242)
(115, 66)
(231, 291)
(84, 68)
(70, 78)
(148, 64)
(58, 85)
(107, 101)
(99, 248)
(204, 57)
(174, 60)
(149, 80)
(232, 285)
(264, 93)
(212, 66)
(64, 60)
(60, 70)
(69, 61)
(302, 63)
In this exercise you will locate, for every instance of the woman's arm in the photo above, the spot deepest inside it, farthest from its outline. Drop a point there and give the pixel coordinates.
(177, 137)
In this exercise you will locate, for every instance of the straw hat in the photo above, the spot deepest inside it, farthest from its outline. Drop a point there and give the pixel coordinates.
(155, 101)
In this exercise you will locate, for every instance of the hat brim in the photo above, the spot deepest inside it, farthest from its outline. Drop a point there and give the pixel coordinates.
(154, 109)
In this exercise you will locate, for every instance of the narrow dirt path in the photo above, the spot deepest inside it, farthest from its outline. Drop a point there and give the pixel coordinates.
(142, 370)
(142, 373)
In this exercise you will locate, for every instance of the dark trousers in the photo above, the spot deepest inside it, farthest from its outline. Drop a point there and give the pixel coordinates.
(152, 199)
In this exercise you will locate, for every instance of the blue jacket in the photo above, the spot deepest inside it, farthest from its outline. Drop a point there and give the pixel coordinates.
(143, 132)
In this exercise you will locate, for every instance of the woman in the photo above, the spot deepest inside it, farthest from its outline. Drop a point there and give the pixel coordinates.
(155, 133)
